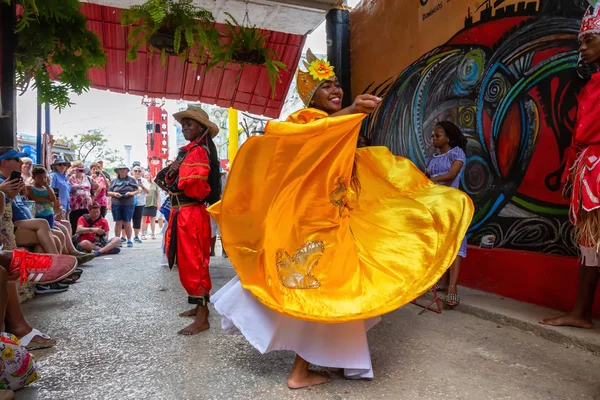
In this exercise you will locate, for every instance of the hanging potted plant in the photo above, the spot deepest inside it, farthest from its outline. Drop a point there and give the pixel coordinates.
(171, 27)
(54, 50)
(247, 45)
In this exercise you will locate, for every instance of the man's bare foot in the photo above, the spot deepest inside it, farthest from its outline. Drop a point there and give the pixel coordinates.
(312, 378)
(568, 320)
(200, 323)
(194, 328)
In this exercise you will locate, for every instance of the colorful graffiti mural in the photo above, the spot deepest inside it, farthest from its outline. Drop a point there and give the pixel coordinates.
(508, 80)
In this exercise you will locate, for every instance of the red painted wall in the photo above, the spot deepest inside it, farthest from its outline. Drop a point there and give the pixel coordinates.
(543, 279)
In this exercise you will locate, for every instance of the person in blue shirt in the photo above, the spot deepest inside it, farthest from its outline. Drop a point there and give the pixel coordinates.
(59, 180)
(22, 217)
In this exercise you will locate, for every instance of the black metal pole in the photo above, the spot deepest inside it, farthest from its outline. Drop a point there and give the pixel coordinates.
(38, 134)
(8, 95)
(337, 26)
(46, 137)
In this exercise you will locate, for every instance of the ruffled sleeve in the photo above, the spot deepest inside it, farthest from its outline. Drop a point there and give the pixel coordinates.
(457, 154)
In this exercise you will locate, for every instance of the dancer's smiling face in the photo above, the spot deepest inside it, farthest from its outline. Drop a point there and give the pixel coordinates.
(328, 97)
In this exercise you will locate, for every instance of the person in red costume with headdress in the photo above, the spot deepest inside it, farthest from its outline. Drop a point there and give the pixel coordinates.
(582, 177)
(193, 182)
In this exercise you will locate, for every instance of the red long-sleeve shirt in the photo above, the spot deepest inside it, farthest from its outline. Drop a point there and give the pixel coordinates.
(193, 172)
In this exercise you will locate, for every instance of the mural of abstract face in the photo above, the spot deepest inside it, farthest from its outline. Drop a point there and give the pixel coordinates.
(512, 93)
(328, 97)
(589, 47)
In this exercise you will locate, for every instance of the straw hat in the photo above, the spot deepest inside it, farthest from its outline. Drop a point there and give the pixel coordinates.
(60, 160)
(121, 166)
(199, 115)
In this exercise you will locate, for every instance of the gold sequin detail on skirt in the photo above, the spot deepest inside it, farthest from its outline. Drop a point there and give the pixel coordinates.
(295, 271)
(338, 196)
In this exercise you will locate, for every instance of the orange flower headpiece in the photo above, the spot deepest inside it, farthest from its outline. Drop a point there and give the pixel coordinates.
(318, 72)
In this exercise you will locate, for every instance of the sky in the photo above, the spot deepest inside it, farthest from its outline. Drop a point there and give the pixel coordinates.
(121, 116)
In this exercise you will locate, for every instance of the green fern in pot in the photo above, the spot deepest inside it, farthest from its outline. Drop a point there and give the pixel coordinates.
(171, 27)
(247, 45)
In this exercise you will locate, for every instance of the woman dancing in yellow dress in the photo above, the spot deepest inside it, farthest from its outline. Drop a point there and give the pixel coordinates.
(325, 238)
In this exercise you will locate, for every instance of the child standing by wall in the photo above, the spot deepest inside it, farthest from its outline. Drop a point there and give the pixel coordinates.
(40, 192)
(446, 167)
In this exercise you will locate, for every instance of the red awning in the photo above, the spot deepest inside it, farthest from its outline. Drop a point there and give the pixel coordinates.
(245, 89)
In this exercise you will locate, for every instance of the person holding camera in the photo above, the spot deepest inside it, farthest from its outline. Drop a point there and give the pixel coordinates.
(40, 192)
(138, 211)
(59, 182)
(81, 193)
(92, 233)
(99, 195)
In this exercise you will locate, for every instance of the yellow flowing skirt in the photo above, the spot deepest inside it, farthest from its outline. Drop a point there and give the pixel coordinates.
(309, 246)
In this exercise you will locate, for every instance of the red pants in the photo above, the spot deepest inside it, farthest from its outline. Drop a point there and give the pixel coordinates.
(192, 238)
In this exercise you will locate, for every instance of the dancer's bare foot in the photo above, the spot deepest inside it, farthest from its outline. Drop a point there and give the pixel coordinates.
(568, 320)
(200, 323)
(310, 378)
(194, 328)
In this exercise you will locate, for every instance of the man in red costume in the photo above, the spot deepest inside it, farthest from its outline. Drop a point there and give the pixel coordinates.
(582, 173)
(193, 182)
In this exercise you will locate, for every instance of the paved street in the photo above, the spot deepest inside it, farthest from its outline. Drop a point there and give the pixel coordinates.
(117, 340)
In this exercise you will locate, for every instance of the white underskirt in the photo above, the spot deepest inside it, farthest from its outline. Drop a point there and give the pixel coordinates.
(341, 345)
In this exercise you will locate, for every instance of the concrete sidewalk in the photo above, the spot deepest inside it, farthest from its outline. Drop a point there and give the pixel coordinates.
(116, 332)
(520, 315)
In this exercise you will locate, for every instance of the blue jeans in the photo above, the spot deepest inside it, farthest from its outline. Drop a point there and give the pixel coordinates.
(122, 213)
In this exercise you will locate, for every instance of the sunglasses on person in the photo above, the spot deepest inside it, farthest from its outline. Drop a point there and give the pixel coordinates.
(80, 169)
(13, 159)
(61, 165)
